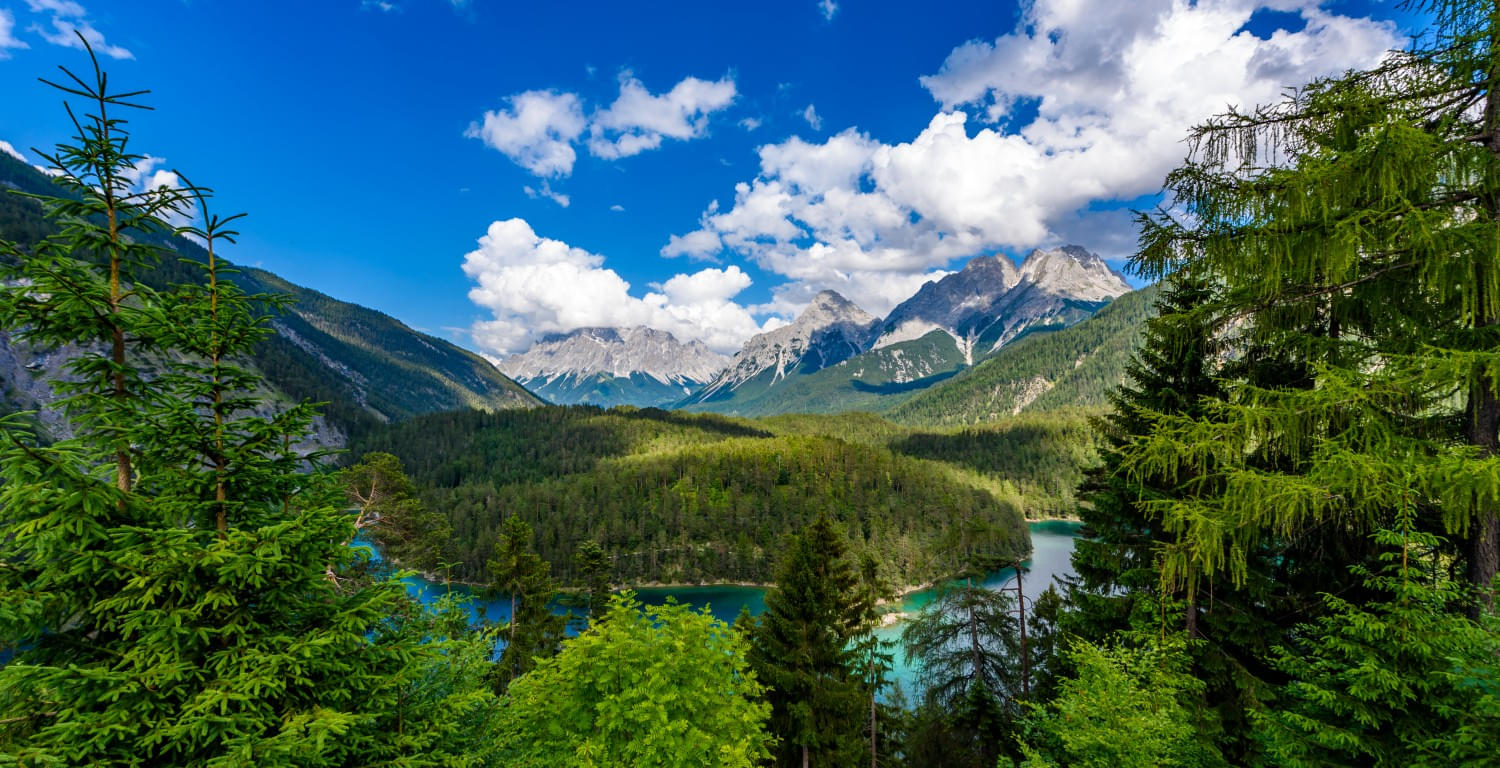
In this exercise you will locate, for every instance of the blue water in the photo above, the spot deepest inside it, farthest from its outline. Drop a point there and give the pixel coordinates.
(1051, 557)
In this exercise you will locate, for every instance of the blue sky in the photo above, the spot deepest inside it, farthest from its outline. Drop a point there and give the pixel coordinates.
(721, 162)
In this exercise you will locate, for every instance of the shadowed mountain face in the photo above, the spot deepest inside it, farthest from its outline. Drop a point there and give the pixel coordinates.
(949, 325)
(637, 366)
(368, 367)
(831, 330)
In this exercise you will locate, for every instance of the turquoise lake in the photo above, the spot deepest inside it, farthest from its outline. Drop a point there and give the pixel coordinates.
(1051, 556)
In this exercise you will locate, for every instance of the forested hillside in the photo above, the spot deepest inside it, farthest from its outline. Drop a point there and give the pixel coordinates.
(368, 367)
(1076, 366)
(679, 498)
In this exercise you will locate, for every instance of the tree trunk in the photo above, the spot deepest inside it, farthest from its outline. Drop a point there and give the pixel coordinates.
(806, 758)
(1025, 652)
(1483, 426)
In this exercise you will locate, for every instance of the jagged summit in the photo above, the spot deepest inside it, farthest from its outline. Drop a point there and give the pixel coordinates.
(992, 300)
(618, 352)
(638, 366)
(830, 330)
(1074, 271)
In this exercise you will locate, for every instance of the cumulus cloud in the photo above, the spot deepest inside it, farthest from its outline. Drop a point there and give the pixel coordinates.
(750, 123)
(1111, 89)
(539, 129)
(8, 37)
(536, 130)
(69, 20)
(638, 120)
(532, 285)
(828, 8)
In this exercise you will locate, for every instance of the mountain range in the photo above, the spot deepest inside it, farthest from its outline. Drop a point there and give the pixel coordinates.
(637, 366)
(838, 357)
(367, 367)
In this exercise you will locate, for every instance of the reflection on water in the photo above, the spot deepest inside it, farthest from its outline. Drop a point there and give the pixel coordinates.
(1051, 556)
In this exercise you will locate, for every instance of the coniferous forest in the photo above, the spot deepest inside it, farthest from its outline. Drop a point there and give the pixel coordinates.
(1288, 504)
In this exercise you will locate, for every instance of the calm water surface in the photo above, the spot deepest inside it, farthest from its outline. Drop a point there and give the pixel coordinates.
(1051, 556)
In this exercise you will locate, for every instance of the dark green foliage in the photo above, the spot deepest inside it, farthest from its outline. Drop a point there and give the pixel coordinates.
(1405, 680)
(518, 575)
(593, 567)
(1076, 366)
(801, 649)
(678, 498)
(174, 583)
(661, 686)
(967, 646)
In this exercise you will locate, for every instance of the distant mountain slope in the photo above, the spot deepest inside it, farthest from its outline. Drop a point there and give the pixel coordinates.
(369, 367)
(614, 366)
(831, 330)
(1074, 366)
(946, 327)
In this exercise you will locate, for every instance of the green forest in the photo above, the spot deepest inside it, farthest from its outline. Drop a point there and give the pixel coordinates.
(1290, 506)
(679, 498)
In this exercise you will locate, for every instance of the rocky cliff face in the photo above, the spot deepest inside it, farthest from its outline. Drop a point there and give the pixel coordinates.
(614, 366)
(990, 302)
(829, 331)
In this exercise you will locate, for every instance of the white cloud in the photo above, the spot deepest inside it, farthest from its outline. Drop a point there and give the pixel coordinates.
(638, 120)
(810, 114)
(59, 7)
(617, 208)
(384, 6)
(750, 123)
(538, 130)
(546, 191)
(1115, 88)
(8, 37)
(533, 285)
(828, 8)
(69, 20)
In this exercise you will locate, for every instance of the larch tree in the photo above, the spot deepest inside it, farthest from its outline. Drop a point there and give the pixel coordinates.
(1351, 229)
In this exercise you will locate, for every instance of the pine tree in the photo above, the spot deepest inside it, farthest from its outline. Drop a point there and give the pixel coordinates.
(967, 644)
(171, 587)
(518, 574)
(801, 650)
(407, 531)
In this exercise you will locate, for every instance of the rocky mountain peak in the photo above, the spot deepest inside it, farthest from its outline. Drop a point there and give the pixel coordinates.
(830, 330)
(1075, 272)
(618, 352)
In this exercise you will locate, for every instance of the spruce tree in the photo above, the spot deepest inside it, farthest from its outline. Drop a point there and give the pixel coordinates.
(801, 649)
(171, 575)
(522, 577)
(593, 565)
